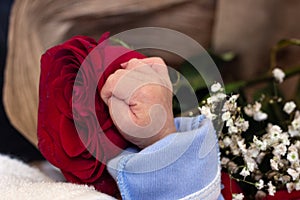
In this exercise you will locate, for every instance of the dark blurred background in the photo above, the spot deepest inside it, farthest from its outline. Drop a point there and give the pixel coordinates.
(11, 141)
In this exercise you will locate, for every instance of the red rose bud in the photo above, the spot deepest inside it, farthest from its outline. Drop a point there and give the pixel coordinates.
(75, 143)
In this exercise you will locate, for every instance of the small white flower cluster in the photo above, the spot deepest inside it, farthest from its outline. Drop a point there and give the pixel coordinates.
(271, 188)
(275, 145)
(294, 128)
(278, 74)
(289, 107)
(255, 112)
(217, 97)
(239, 196)
(285, 155)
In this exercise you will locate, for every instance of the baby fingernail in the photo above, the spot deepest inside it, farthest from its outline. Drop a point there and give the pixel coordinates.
(124, 64)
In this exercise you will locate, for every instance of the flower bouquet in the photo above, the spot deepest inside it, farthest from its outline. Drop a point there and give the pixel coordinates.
(259, 141)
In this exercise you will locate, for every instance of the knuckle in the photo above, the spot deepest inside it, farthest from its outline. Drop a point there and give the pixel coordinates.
(120, 72)
(110, 79)
(158, 60)
(133, 60)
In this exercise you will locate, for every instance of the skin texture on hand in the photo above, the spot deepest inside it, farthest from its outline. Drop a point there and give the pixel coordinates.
(139, 98)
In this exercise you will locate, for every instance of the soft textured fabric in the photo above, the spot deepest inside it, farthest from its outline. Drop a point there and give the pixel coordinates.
(80, 151)
(182, 165)
(19, 181)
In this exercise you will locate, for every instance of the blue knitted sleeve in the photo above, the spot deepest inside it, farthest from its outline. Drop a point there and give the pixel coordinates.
(183, 165)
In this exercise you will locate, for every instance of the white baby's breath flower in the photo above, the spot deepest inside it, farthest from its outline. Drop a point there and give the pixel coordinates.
(229, 106)
(274, 164)
(290, 187)
(205, 110)
(278, 74)
(251, 165)
(274, 129)
(274, 133)
(245, 126)
(224, 161)
(284, 137)
(294, 174)
(221, 95)
(255, 139)
(293, 132)
(296, 123)
(275, 141)
(279, 150)
(257, 106)
(234, 97)
(242, 146)
(241, 124)
(211, 99)
(255, 112)
(226, 116)
(296, 144)
(297, 114)
(233, 129)
(282, 163)
(260, 116)
(227, 141)
(229, 123)
(297, 185)
(293, 147)
(248, 110)
(245, 172)
(260, 157)
(293, 156)
(289, 107)
(260, 184)
(216, 87)
(235, 150)
(271, 189)
(239, 196)
(253, 151)
(269, 141)
(262, 145)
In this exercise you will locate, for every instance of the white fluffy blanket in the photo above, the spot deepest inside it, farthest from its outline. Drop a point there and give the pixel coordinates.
(19, 181)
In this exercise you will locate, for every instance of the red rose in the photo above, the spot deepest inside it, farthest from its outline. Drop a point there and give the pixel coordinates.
(81, 158)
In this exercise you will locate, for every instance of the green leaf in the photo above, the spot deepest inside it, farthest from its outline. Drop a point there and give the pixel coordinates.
(120, 42)
(228, 56)
(234, 87)
(223, 57)
(287, 42)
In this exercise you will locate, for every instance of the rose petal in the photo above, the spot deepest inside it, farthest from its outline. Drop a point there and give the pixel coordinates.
(61, 104)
